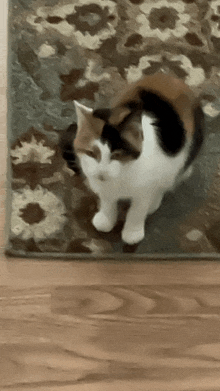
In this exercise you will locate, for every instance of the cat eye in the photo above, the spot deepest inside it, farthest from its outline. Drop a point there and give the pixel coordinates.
(122, 155)
(95, 153)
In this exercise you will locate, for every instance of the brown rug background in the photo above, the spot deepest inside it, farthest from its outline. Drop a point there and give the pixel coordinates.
(88, 50)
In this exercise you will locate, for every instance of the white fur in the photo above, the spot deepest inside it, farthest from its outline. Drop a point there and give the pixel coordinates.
(144, 181)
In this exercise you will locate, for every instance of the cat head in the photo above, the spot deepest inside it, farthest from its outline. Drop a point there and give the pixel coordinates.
(106, 139)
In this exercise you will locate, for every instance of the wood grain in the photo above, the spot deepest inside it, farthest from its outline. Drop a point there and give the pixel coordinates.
(101, 337)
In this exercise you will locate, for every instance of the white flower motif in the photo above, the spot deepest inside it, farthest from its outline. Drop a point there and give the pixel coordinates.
(97, 246)
(94, 246)
(52, 208)
(46, 50)
(178, 7)
(94, 41)
(215, 30)
(85, 39)
(63, 28)
(92, 74)
(32, 151)
(60, 11)
(134, 73)
(196, 75)
(31, 19)
(211, 110)
(215, 6)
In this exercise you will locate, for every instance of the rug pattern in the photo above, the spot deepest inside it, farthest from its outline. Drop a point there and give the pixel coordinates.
(88, 50)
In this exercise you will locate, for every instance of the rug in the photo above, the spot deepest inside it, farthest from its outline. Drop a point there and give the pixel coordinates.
(87, 50)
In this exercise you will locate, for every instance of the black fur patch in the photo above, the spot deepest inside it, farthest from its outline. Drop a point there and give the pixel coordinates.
(103, 114)
(66, 145)
(113, 137)
(170, 129)
(198, 137)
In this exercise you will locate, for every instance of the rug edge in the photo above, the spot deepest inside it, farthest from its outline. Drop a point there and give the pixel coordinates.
(9, 252)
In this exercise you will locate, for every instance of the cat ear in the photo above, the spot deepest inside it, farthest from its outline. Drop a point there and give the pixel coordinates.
(82, 112)
(89, 128)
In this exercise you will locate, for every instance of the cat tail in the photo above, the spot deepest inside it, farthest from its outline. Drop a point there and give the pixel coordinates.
(198, 136)
(67, 149)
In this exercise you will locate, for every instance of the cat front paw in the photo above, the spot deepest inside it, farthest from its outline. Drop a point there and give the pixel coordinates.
(133, 236)
(102, 223)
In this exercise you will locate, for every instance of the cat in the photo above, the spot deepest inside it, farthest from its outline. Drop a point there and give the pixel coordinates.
(137, 150)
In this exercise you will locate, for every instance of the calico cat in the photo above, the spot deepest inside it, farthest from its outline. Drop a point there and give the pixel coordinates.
(137, 150)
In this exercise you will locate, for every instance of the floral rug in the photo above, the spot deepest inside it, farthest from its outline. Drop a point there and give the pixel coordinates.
(87, 50)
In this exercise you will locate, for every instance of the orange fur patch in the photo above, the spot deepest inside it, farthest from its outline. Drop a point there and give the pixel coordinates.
(89, 129)
(171, 89)
(133, 133)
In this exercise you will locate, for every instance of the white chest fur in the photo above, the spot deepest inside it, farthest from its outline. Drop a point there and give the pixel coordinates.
(144, 181)
(152, 169)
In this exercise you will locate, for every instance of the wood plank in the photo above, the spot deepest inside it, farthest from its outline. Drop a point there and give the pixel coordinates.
(105, 336)
(28, 273)
(192, 385)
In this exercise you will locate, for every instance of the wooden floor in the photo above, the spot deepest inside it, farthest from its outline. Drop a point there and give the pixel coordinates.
(105, 326)
(99, 326)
